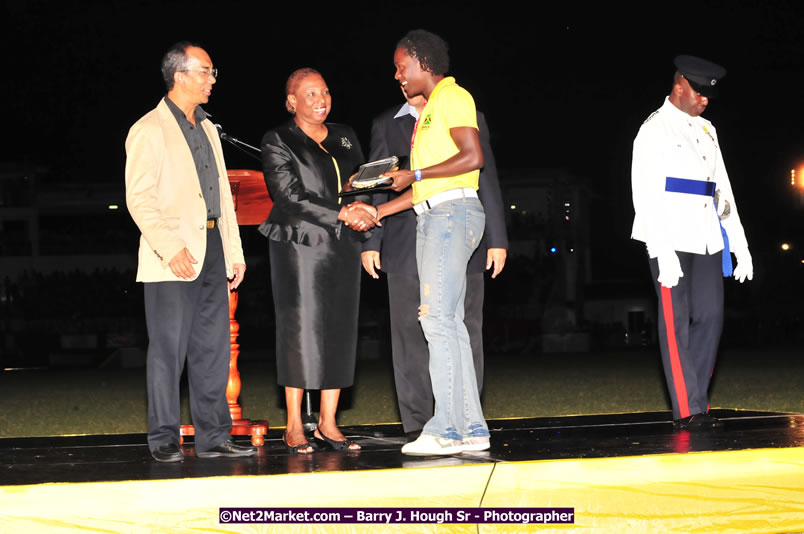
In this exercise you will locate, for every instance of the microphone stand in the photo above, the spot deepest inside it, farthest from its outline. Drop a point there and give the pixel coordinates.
(241, 146)
(309, 421)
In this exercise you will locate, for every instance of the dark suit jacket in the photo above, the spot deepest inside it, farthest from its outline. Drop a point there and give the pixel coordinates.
(300, 178)
(396, 238)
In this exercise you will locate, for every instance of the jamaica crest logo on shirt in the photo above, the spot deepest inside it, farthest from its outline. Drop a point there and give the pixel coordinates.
(427, 120)
(345, 143)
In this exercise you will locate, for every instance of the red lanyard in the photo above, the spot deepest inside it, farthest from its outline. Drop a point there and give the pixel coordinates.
(413, 136)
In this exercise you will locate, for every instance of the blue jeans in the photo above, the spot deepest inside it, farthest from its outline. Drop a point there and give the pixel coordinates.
(446, 236)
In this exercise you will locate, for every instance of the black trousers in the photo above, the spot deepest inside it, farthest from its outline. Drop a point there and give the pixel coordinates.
(409, 350)
(690, 322)
(189, 321)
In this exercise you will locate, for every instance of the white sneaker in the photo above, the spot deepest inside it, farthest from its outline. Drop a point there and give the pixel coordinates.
(475, 444)
(428, 445)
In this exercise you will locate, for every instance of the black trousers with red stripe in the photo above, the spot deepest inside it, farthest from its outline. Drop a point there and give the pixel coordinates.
(690, 321)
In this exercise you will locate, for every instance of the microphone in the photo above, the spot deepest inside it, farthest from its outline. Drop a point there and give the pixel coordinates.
(237, 143)
(223, 135)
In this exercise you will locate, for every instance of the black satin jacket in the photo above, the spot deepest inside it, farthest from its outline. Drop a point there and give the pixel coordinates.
(303, 182)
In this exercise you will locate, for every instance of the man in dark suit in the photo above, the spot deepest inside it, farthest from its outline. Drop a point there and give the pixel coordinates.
(392, 248)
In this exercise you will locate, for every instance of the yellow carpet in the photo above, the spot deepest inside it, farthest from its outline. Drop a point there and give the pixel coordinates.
(734, 491)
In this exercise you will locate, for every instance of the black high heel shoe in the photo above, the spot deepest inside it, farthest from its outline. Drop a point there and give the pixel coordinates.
(336, 445)
(296, 449)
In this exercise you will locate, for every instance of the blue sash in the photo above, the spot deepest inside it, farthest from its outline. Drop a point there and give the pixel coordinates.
(727, 268)
(707, 189)
(692, 187)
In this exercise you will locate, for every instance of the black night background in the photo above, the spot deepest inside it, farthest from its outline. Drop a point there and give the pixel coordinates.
(563, 87)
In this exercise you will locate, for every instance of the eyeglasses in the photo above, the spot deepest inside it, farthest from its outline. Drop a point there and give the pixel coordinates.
(205, 72)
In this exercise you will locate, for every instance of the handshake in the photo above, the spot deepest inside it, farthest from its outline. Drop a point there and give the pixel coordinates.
(360, 216)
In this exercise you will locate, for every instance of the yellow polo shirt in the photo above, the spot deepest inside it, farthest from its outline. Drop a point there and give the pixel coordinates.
(449, 106)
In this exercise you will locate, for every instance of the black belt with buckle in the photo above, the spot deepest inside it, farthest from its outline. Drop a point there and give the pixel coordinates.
(211, 223)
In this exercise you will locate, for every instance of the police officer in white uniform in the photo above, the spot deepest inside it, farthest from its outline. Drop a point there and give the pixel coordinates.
(686, 215)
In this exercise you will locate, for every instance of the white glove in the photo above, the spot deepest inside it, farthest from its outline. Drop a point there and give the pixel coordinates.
(669, 268)
(745, 266)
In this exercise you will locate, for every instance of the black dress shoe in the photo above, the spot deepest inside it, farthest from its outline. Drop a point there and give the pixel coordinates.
(228, 449)
(169, 452)
(410, 437)
(698, 421)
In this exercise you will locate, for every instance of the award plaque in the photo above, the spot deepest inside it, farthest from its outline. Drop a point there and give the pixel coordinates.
(368, 178)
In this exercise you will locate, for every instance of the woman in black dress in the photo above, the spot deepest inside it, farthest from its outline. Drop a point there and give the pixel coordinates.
(314, 255)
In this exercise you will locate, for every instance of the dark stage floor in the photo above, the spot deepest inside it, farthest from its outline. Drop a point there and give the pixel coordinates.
(102, 458)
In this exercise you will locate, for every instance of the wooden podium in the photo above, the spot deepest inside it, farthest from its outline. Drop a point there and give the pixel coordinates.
(252, 206)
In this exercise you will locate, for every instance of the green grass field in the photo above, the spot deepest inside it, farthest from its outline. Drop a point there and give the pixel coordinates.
(108, 401)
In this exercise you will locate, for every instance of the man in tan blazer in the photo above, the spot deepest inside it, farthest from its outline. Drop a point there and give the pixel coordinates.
(178, 194)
